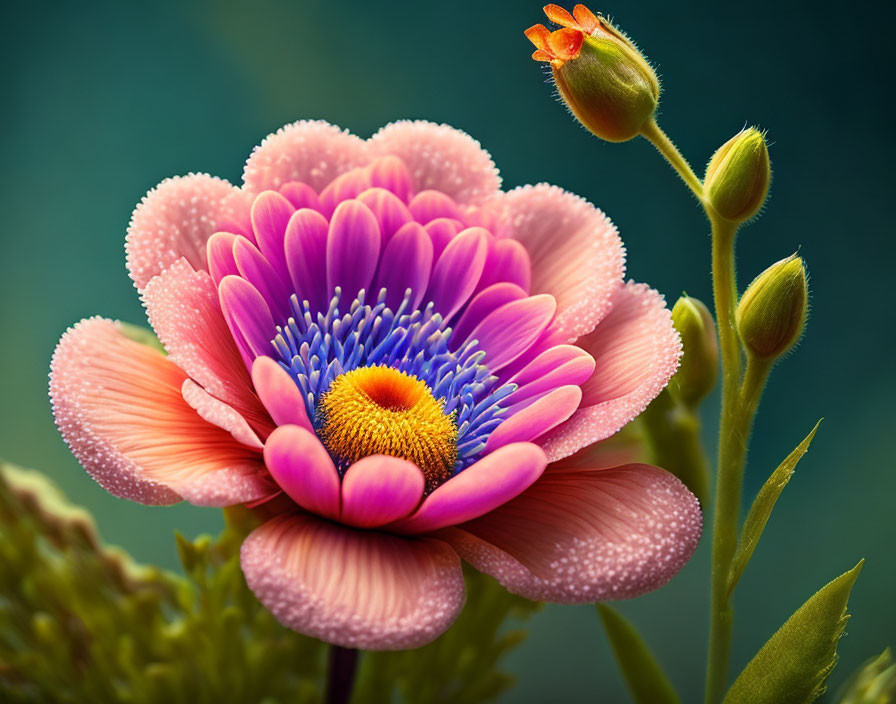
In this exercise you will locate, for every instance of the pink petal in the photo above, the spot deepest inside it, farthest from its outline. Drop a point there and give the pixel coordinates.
(353, 249)
(427, 206)
(175, 220)
(270, 214)
(219, 254)
(510, 330)
(441, 158)
(183, 309)
(302, 468)
(483, 303)
(508, 261)
(377, 490)
(537, 418)
(575, 251)
(347, 186)
(636, 351)
(388, 209)
(306, 257)
(300, 195)
(279, 393)
(312, 151)
(458, 270)
(480, 488)
(248, 317)
(441, 231)
(257, 270)
(585, 536)
(389, 172)
(354, 588)
(118, 405)
(406, 264)
(219, 413)
(557, 366)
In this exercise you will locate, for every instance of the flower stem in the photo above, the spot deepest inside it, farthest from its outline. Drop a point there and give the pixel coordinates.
(343, 663)
(652, 132)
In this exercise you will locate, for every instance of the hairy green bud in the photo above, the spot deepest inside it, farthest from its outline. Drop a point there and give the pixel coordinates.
(738, 176)
(698, 372)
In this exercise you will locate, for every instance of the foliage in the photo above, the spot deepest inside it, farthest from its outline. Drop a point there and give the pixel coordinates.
(81, 621)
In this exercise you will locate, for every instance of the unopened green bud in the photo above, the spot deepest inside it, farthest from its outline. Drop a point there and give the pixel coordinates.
(772, 312)
(738, 176)
(698, 372)
(600, 74)
(873, 683)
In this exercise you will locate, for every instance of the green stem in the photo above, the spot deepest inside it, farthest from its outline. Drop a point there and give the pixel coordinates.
(732, 454)
(652, 132)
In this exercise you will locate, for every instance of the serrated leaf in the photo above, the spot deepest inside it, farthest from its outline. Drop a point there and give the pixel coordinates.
(646, 680)
(792, 666)
(762, 507)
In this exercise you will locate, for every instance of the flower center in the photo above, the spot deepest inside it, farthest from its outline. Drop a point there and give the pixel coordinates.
(382, 411)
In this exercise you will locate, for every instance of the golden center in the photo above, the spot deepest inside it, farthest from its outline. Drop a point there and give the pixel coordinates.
(382, 411)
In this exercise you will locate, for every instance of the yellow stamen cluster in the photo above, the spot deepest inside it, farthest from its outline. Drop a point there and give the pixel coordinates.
(382, 411)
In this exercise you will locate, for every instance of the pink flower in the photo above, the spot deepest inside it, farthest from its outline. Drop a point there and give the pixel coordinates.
(408, 363)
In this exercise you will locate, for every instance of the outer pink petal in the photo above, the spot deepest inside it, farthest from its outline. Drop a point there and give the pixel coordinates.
(378, 489)
(302, 468)
(175, 220)
(183, 309)
(585, 536)
(279, 393)
(311, 151)
(219, 413)
(441, 158)
(636, 351)
(575, 252)
(118, 405)
(357, 589)
(480, 488)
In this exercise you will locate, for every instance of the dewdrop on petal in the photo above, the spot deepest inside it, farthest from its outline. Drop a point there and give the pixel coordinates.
(771, 314)
(698, 371)
(738, 176)
(600, 74)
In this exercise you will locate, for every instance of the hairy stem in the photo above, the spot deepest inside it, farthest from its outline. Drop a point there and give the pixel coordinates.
(341, 679)
(652, 132)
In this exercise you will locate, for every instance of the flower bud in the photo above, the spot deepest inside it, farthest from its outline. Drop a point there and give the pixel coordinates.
(738, 176)
(873, 683)
(771, 314)
(600, 74)
(697, 374)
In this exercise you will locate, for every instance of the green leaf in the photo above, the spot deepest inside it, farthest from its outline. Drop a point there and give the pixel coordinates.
(645, 678)
(792, 666)
(762, 508)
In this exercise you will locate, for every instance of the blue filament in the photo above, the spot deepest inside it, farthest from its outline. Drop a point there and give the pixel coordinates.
(315, 349)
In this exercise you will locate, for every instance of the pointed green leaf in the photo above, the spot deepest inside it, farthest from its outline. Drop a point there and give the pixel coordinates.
(792, 666)
(645, 678)
(762, 508)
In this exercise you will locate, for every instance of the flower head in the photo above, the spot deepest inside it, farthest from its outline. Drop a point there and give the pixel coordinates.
(600, 74)
(400, 365)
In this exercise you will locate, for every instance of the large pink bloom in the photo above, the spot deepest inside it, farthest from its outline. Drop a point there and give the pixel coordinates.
(409, 363)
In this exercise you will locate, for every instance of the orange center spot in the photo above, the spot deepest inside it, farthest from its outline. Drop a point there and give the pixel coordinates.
(382, 411)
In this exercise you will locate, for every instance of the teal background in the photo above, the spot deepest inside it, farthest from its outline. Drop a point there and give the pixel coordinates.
(103, 100)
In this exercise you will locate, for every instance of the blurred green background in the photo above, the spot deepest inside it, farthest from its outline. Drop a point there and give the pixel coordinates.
(103, 100)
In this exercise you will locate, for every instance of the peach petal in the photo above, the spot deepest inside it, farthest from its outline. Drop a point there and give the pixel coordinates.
(480, 488)
(219, 413)
(377, 490)
(182, 307)
(119, 406)
(302, 468)
(354, 588)
(575, 253)
(311, 151)
(636, 351)
(175, 219)
(441, 158)
(585, 536)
